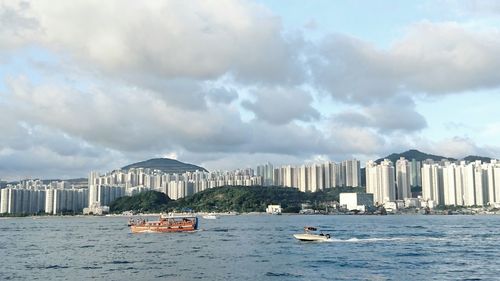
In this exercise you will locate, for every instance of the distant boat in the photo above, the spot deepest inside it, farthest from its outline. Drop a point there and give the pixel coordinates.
(210, 217)
(165, 224)
(273, 209)
(310, 234)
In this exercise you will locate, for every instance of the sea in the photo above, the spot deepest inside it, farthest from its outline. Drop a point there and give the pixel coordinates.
(254, 247)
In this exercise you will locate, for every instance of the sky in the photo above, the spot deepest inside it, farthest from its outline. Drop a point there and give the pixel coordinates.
(96, 85)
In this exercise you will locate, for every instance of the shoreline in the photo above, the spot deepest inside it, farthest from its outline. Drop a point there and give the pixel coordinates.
(201, 214)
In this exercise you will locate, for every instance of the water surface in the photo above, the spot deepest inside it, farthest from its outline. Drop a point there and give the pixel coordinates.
(254, 247)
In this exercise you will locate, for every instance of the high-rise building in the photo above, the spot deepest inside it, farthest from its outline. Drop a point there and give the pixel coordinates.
(288, 176)
(450, 185)
(403, 178)
(495, 181)
(415, 176)
(327, 174)
(481, 183)
(313, 179)
(49, 201)
(432, 182)
(4, 200)
(350, 173)
(94, 183)
(380, 181)
(267, 173)
(303, 178)
(469, 185)
(460, 184)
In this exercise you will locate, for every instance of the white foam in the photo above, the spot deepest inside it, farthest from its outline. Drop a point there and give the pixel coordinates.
(381, 239)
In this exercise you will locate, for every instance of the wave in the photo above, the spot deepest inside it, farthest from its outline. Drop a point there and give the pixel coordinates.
(220, 229)
(283, 274)
(416, 226)
(382, 239)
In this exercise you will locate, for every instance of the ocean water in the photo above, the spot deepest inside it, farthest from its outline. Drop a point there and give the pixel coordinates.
(254, 247)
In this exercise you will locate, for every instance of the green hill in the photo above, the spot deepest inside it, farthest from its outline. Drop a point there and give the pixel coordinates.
(472, 158)
(230, 198)
(149, 201)
(242, 199)
(256, 198)
(414, 154)
(166, 165)
(421, 156)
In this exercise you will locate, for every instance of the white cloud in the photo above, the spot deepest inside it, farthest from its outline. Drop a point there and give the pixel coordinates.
(28, 151)
(15, 26)
(349, 139)
(432, 58)
(281, 106)
(62, 123)
(162, 39)
(127, 80)
(106, 116)
(447, 58)
(474, 8)
(222, 95)
(396, 114)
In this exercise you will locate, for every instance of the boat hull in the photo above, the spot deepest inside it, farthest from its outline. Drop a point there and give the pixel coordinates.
(160, 229)
(165, 225)
(311, 237)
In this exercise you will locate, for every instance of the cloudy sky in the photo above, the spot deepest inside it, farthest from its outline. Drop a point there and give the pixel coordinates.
(95, 85)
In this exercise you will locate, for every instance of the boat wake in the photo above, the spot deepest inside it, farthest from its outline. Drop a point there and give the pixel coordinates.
(382, 239)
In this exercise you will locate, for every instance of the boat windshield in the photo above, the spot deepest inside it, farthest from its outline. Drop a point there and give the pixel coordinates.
(310, 228)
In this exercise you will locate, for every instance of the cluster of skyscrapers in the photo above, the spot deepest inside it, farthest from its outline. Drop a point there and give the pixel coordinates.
(32, 196)
(388, 182)
(461, 184)
(443, 183)
(313, 177)
(308, 178)
(174, 185)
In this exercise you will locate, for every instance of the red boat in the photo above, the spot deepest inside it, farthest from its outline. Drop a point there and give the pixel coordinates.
(164, 224)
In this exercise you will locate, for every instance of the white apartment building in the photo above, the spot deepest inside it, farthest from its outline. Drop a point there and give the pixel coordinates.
(432, 182)
(403, 178)
(380, 181)
(473, 184)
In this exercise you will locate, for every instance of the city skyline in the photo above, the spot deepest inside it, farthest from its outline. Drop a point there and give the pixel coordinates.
(266, 169)
(226, 84)
(443, 183)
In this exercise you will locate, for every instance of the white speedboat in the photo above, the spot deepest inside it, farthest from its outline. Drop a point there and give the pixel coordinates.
(210, 217)
(310, 234)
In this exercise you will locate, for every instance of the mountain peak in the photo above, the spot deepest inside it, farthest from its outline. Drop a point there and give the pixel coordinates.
(166, 165)
(414, 154)
(472, 158)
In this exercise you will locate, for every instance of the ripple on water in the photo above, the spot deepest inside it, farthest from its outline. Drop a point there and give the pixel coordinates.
(156, 252)
(55, 266)
(325, 261)
(219, 229)
(283, 274)
(256, 248)
(118, 262)
(91, 267)
(167, 275)
(411, 254)
(416, 226)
